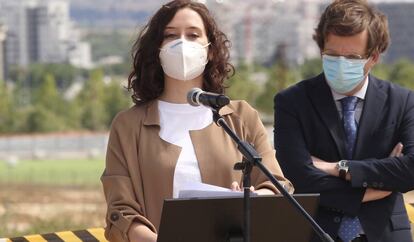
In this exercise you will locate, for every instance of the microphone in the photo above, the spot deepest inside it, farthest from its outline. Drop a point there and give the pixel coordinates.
(197, 97)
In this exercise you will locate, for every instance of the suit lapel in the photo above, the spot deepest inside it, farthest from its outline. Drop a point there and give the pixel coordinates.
(321, 96)
(375, 99)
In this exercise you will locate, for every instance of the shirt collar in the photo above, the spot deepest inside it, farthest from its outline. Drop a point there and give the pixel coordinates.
(360, 94)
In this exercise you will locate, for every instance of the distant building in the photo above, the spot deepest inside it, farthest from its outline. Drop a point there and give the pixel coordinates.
(258, 29)
(14, 16)
(41, 31)
(3, 68)
(400, 17)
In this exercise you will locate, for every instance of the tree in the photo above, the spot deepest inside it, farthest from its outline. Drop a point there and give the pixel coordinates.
(116, 99)
(382, 71)
(91, 101)
(46, 113)
(402, 73)
(241, 86)
(41, 119)
(47, 95)
(5, 108)
(311, 68)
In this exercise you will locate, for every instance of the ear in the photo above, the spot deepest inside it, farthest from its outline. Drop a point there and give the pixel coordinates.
(375, 57)
(210, 54)
(373, 60)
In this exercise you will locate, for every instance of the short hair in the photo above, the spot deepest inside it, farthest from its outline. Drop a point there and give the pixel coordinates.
(147, 76)
(351, 17)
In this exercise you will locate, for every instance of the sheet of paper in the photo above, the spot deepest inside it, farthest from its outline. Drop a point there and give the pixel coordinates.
(202, 190)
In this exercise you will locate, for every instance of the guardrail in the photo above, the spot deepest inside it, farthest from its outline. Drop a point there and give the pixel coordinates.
(87, 235)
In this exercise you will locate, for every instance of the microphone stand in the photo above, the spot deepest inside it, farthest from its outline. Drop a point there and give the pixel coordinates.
(252, 158)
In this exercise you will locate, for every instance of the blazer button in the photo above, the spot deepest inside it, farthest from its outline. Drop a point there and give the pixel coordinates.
(365, 184)
(337, 219)
(114, 216)
(380, 185)
(375, 184)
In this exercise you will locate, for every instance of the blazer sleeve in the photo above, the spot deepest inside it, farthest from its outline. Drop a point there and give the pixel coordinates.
(295, 160)
(123, 206)
(257, 135)
(391, 173)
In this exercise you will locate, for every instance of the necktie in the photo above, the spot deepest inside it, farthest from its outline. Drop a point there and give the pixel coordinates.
(350, 227)
(350, 125)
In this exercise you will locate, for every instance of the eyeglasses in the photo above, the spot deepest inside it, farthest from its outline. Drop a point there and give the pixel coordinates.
(349, 57)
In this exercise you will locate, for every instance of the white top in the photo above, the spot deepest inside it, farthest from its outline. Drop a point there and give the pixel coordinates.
(360, 104)
(176, 120)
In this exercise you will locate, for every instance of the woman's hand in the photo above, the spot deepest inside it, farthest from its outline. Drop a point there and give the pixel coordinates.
(141, 233)
(264, 191)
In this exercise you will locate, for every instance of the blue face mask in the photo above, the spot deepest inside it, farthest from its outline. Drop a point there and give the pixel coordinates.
(343, 74)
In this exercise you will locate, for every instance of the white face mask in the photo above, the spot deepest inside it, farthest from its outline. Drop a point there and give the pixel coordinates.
(183, 60)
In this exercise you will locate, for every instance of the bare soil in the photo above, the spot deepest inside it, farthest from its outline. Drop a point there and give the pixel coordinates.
(44, 209)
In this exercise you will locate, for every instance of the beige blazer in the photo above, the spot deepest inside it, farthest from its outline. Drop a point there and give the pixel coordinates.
(140, 165)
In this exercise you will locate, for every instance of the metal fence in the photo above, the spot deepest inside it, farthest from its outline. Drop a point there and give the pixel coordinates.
(55, 146)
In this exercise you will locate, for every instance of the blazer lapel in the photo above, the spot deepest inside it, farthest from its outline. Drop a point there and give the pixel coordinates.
(324, 104)
(373, 105)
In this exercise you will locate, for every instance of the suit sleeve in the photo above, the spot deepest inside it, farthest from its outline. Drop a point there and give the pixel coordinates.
(295, 160)
(391, 173)
(123, 206)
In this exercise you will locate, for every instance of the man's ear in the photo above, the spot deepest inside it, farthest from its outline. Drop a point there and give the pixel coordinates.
(375, 57)
(373, 60)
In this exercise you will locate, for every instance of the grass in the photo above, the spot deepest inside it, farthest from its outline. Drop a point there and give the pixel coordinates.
(53, 172)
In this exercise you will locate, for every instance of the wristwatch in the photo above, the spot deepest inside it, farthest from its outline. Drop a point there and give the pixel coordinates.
(342, 168)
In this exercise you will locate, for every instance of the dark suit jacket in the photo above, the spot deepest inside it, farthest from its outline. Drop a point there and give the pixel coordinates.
(307, 123)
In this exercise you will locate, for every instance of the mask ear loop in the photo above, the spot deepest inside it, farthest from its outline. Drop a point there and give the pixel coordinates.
(208, 54)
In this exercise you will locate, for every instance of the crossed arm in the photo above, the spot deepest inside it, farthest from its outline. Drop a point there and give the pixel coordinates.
(371, 194)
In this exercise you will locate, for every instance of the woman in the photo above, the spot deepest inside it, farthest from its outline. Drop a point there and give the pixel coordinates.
(163, 143)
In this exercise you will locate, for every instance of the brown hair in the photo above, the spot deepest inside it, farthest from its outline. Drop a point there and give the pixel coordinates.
(147, 77)
(351, 17)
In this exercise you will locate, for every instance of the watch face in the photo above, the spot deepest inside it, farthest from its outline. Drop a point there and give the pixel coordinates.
(343, 164)
(343, 168)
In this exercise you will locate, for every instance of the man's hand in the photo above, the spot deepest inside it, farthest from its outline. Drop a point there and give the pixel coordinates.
(374, 194)
(331, 168)
(397, 151)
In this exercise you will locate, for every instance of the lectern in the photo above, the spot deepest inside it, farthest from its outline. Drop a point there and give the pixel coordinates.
(273, 219)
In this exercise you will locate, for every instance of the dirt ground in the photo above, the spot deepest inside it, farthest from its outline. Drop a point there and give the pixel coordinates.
(44, 209)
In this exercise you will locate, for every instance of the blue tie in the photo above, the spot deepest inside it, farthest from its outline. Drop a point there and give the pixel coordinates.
(350, 125)
(350, 226)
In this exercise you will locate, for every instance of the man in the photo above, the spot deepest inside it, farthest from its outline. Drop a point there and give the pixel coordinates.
(348, 135)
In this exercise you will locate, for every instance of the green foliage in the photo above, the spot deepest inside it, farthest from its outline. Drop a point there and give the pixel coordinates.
(115, 100)
(402, 73)
(381, 71)
(40, 119)
(36, 101)
(47, 96)
(242, 87)
(281, 77)
(115, 42)
(33, 76)
(91, 101)
(122, 69)
(5, 107)
(311, 68)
